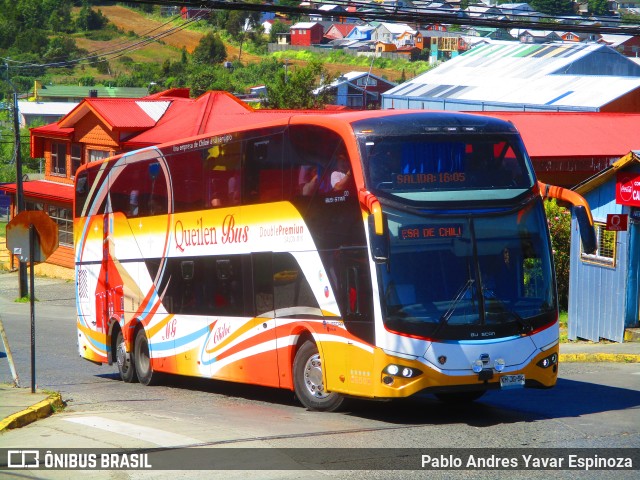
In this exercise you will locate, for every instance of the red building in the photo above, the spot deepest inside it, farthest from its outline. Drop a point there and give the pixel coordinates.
(306, 33)
(566, 148)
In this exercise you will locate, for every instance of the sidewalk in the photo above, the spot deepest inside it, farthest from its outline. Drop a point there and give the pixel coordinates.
(19, 407)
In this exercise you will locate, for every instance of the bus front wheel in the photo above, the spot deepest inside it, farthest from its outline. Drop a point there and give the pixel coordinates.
(308, 380)
(142, 359)
(126, 367)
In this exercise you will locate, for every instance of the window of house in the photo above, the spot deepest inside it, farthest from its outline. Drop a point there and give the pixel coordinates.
(62, 216)
(76, 158)
(95, 155)
(59, 159)
(606, 252)
(367, 81)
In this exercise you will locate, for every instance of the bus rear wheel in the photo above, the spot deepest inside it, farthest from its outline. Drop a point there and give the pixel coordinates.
(460, 397)
(126, 366)
(308, 380)
(142, 360)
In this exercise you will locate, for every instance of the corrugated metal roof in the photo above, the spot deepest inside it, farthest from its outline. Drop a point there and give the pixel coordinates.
(81, 92)
(549, 75)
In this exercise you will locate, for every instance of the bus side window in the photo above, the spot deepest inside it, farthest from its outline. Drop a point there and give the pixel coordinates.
(222, 174)
(291, 291)
(265, 181)
(355, 297)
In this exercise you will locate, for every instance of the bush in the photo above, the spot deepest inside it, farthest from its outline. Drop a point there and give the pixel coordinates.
(559, 220)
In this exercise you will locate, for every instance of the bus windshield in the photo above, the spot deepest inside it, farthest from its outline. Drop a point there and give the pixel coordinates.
(453, 277)
(459, 167)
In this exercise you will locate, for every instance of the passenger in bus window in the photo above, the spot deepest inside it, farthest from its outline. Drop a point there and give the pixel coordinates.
(133, 204)
(214, 193)
(233, 187)
(308, 180)
(341, 177)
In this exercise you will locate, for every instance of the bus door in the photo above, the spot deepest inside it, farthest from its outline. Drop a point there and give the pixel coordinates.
(109, 291)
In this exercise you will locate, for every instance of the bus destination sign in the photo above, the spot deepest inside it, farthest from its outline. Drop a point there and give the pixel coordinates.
(425, 232)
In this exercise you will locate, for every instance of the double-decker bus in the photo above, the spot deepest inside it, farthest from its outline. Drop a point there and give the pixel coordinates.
(366, 254)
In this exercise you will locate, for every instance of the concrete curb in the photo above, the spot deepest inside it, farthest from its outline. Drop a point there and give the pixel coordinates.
(39, 410)
(599, 357)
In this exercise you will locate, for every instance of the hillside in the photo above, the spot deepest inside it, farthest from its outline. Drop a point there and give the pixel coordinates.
(131, 20)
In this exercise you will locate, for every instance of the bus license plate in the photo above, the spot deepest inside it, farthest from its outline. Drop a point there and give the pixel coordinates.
(512, 381)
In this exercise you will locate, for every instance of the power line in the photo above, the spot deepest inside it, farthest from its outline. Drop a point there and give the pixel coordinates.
(114, 53)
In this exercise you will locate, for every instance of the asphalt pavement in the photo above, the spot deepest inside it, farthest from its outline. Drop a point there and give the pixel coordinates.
(19, 406)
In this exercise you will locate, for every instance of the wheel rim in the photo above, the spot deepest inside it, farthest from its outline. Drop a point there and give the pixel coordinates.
(121, 356)
(313, 377)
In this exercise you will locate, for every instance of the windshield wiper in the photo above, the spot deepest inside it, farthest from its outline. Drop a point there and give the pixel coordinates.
(524, 324)
(444, 319)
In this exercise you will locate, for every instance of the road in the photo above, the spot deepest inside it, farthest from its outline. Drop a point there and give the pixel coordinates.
(593, 406)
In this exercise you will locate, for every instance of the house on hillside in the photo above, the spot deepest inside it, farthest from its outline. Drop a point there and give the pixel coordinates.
(535, 36)
(510, 76)
(627, 45)
(358, 90)
(338, 31)
(329, 13)
(361, 32)
(389, 32)
(306, 33)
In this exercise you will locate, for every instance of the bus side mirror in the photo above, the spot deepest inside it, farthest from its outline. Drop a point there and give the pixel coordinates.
(587, 232)
(379, 243)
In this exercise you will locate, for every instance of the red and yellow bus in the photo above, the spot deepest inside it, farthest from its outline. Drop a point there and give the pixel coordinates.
(367, 254)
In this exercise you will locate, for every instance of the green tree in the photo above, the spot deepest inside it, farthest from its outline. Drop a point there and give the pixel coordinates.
(276, 28)
(559, 220)
(295, 88)
(89, 19)
(599, 7)
(210, 50)
(553, 7)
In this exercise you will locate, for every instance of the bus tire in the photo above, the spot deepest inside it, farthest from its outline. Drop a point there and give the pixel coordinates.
(142, 359)
(460, 397)
(308, 381)
(126, 366)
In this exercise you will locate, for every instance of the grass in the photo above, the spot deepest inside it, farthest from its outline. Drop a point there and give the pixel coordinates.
(564, 319)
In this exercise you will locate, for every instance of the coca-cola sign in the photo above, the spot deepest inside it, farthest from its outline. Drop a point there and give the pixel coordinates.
(628, 189)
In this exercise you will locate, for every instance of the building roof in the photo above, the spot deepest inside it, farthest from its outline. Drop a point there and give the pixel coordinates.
(120, 113)
(303, 25)
(43, 189)
(74, 91)
(512, 75)
(580, 134)
(45, 108)
(607, 174)
(211, 112)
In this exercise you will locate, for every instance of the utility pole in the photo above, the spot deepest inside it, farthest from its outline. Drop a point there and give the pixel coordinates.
(17, 156)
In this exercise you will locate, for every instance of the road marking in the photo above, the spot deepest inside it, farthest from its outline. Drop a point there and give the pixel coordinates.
(147, 434)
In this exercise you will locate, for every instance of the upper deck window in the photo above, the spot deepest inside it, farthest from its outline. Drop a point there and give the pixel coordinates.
(425, 167)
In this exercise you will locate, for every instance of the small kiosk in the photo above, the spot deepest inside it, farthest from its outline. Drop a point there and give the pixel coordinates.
(604, 286)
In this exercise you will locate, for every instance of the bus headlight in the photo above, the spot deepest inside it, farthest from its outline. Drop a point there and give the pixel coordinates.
(400, 371)
(547, 362)
(498, 364)
(477, 366)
